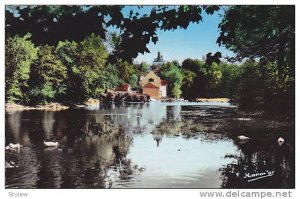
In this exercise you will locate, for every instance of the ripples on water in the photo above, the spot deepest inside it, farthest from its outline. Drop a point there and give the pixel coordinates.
(155, 145)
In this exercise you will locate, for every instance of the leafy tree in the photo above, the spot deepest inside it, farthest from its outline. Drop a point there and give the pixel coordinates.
(91, 59)
(172, 73)
(113, 40)
(51, 24)
(176, 90)
(198, 86)
(67, 53)
(266, 33)
(126, 70)
(110, 77)
(20, 53)
(249, 88)
(213, 77)
(190, 65)
(229, 80)
(188, 78)
(80, 65)
(143, 68)
(47, 77)
(134, 80)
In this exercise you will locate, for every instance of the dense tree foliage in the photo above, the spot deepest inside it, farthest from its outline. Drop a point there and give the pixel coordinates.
(51, 24)
(265, 34)
(172, 73)
(47, 77)
(67, 53)
(85, 62)
(70, 72)
(91, 61)
(258, 88)
(110, 77)
(20, 53)
(229, 80)
(195, 79)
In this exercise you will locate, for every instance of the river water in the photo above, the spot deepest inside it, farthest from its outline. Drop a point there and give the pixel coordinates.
(153, 145)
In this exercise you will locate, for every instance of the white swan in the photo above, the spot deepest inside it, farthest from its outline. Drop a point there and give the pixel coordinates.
(280, 141)
(12, 146)
(10, 165)
(242, 137)
(50, 144)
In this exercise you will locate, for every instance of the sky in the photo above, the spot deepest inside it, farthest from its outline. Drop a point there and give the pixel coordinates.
(194, 42)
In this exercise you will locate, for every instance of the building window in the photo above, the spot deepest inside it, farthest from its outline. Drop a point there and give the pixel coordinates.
(151, 80)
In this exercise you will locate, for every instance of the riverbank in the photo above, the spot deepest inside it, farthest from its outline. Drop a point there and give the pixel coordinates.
(224, 100)
(50, 107)
(92, 102)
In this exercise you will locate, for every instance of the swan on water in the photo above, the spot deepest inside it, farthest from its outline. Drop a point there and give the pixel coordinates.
(50, 144)
(13, 146)
(242, 137)
(280, 141)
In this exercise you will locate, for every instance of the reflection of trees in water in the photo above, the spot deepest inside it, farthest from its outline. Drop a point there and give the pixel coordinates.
(173, 113)
(48, 122)
(193, 122)
(97, 152)
(258, 157)
(100, 147)
(168, 128)
(94, 144)
(189, 128)
(158, 138)
(132, 118)
(51, 169)
(13, 122)
(85, 154)
(95, 155)
(28, 165)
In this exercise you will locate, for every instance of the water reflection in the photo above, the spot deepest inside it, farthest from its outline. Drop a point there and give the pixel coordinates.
(258, 165)
(48, 123)
(155, 145)
(13, 123)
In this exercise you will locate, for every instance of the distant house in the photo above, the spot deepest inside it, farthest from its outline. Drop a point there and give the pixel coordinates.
(124, 87)
(152, 85)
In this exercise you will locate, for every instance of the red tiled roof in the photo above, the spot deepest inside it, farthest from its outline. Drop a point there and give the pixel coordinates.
(163, 82)
(149, 85)
(123, 87)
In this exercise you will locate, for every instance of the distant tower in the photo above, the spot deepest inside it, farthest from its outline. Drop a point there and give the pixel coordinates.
(158, 60)
(157, 63)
